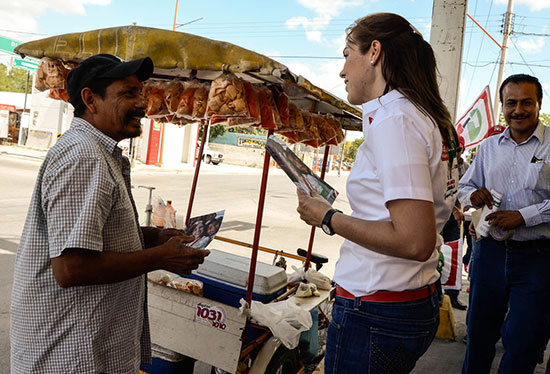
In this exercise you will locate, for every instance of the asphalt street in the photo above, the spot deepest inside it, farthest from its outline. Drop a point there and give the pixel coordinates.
(228, 187)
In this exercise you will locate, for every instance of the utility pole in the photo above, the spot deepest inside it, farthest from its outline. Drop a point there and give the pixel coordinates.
(507, 31)
(447, 39)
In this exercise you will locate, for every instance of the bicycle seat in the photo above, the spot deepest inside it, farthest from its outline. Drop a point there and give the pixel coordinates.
(316, 258)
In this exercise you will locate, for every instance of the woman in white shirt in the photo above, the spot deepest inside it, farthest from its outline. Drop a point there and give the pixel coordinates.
(401, 189)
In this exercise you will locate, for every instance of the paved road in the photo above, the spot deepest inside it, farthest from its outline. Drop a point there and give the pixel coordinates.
(234, 189)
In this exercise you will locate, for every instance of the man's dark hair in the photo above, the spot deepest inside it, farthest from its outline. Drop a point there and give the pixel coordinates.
(521, 78)
(97, 86)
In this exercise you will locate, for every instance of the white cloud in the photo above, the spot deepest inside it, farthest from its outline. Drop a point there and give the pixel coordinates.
(21, 15)
(534, 5)
(325, 10)
(325, 75)
(531, 46)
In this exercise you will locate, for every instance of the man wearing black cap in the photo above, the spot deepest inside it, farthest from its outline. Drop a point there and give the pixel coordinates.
(79, 295)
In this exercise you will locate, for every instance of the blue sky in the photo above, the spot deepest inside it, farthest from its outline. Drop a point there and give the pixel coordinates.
(305, 35)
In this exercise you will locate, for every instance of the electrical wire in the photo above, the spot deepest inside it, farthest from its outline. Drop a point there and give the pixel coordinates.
(529, 66)
(479, 51)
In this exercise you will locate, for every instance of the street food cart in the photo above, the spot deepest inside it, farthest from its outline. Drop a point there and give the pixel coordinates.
(214, 331)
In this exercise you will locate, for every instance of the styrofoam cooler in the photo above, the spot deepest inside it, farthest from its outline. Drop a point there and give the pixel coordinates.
(225, 278)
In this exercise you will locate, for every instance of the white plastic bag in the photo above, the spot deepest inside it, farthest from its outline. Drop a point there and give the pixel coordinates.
(320, 280)
(312, 276)
(297, 276)
(285, 319)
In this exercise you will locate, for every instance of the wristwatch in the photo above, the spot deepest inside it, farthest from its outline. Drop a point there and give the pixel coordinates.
(325, 225)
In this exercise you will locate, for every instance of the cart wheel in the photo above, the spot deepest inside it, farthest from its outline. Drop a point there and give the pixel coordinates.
(283, 362)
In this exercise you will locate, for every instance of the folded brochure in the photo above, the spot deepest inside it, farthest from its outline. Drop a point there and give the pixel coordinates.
(204, 229)
(302, 176)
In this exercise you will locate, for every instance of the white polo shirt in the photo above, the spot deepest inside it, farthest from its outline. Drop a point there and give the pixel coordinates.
(401, 158)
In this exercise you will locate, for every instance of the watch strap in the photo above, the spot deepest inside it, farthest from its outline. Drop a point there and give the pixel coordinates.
(326, 226)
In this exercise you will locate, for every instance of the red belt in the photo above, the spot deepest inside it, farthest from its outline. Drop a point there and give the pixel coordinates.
(391, 297)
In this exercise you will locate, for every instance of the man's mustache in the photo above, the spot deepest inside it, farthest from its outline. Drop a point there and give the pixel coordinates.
(135, 113)
(519, 117)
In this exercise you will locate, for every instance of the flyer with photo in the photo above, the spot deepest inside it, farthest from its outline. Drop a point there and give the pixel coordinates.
(204, 229)
(302, 176)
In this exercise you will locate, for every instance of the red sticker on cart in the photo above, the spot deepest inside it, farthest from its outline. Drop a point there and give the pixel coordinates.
(211, 315)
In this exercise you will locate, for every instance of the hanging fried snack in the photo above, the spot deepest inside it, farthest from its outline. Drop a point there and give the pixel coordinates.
(185, 105)
(172, 94)
(59, 94)
(156, 107)
(227, 97)
(326, 131)
(335, 124)
(311, 134)
(51, 73)
(200, 100)
(284, 111)
(269, 113)
(254, 117)
(296, 120)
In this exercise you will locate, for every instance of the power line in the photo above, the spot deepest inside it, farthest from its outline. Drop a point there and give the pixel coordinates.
(530, 34)
(520, 55)
(480, 47)
(23, 32)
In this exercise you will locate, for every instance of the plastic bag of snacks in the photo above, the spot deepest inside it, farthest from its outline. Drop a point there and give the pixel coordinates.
(172, 92)
(253, 104)
(172, 280)
(193, 101)
(154, 94)
(227, 97)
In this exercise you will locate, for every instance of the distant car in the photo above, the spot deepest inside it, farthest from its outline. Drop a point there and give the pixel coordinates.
(210, 156)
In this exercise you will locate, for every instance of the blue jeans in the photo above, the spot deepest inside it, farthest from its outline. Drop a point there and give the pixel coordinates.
(509, 297)
(383, 338)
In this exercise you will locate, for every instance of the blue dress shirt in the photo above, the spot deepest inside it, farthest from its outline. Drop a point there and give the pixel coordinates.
(521, 172)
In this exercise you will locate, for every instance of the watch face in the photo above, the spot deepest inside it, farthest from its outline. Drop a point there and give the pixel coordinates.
(326, 229)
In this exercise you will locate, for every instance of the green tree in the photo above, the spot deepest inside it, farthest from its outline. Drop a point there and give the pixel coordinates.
(14, 80)
(215, 131)
(250, 130)
(544, 119)
(350, 148)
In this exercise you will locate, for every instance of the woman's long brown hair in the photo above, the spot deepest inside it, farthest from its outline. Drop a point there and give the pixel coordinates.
(408, 65)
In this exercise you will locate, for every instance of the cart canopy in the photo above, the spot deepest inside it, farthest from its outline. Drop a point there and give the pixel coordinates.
(178, 54)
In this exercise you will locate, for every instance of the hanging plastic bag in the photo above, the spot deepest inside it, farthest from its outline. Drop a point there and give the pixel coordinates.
(285, 319)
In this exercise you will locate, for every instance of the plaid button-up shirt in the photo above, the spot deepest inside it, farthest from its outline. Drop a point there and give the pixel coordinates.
(82, 199)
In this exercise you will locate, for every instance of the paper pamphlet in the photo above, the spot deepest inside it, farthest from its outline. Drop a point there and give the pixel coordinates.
(204, 228)
(302, 176)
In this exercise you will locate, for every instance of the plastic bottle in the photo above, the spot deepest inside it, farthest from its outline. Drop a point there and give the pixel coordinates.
(170, 215)
(483, 226)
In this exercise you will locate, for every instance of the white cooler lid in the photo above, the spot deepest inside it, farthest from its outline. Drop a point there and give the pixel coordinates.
(233, 269)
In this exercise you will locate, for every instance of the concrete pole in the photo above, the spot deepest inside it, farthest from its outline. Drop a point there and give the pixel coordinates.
(447, 40)
(502, 65)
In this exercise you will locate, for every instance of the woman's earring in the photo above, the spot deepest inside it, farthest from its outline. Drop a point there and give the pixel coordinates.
(371, 62)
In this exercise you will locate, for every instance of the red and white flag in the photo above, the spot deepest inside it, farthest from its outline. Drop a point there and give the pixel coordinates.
(451, 275)
(478, 122)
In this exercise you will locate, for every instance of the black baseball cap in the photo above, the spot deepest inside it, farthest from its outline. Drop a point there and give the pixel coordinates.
(105, 66)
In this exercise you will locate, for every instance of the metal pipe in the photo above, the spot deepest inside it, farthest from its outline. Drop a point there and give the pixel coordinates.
(312, 234)
(258, 227)
(263, 249)
(196, 176)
